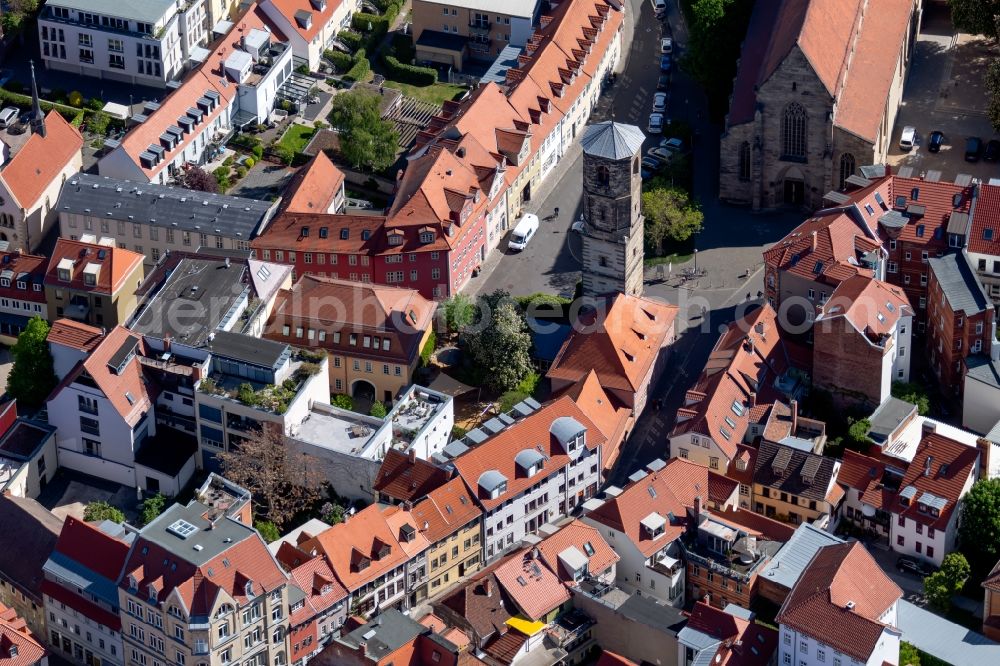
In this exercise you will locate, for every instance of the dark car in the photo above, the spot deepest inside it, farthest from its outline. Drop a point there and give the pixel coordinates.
(935, 141)
(992, 152)
(911, 565)
(665, 63)
(973, 149)
(663, 82)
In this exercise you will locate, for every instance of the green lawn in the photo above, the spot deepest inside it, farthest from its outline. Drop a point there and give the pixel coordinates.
(296, 137)
(676, 258)
(438, 94)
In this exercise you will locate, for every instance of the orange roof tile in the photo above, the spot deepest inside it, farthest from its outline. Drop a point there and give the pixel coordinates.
(871, 306)
(611, 418)
(941, 466)
(321, 587)
(115, 265)
(317, 232)
(288, 9)
(77, 335)
(839, 598)
(756, 523)
(41, 159)
(445, 510)
(586, 539)
(18, 646)
(743, 643)
(622, 347)
(609, 658)
(314, 187)
(534, 587)
(407, 480)
(984, 233)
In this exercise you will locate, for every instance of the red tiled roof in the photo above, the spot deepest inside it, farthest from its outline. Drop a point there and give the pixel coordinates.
(534, 587)
(577, 534)
(839, 599)
(16, 637)
(445, 510)
(288, 9)
(26, 269)
(744, 643)
(984, 234)
(858, 471)
(116, 264)
(622, 348)
(315, 187)
(609, 658)
(505, 647)
(608, 415)
(498, 452)
(769, 528)
(480, 602)
(77, 335)
(992, 581)
(937, 198)
(90, 547)
(321, 587)
(950, 465)
(38, 163)
(871, 306)
(747, 455)
(286, 232)
(407, 480)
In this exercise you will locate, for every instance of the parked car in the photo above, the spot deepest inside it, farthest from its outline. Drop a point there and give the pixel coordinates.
(663, 82)
(935, 141)
(659, 8)
(660, 154)
(660, 101)
(973, 149)
(992, 152)
(652, 163)
(908, 138)
(655, 123)
(665, 63)
(523, 232)
(911, 565)
(666, 45)
(673, 144)
(8, 115)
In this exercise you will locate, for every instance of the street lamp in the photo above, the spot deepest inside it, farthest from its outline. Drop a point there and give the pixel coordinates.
(696, 260)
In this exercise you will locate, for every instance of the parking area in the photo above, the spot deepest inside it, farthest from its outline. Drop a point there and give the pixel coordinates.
(945, 92)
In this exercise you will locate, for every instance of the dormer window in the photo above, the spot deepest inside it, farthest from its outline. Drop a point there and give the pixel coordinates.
(426, 237)
(133, 583)
(492, 484)
(395, 238)
(529, 462)
(248, 588)
(653, 525)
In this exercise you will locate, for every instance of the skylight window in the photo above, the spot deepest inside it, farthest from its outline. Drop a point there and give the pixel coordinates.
(182, 528)
(731, 423)
(726, 434)
(589, 549)
(738, 408)
(987, 234)
(880, 317)
(868, 207)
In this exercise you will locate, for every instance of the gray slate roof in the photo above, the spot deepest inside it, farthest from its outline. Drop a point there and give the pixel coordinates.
(386, 633)
(943, 639)
(887, 418)
(214, 540)
(612, 141)
(984, 369)
(35, 531)
(787, 565)
(958, 281)
(164, 206)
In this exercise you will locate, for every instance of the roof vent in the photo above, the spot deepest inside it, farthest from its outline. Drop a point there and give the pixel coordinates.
(849, 606)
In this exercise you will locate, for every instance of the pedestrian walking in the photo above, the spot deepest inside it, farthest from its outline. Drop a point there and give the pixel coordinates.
(555, 212)
(748, 295)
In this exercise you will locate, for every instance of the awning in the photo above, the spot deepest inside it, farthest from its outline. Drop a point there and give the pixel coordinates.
(115, 110)
(524, 625)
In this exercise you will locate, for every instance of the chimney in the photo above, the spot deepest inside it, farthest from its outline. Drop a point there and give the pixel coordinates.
(488, 586)
(697, 507)
(929, 427)
(795, 416)
(814, 241)
(985, 447)
(927, 465)
(752, 400)
(411, 455)
(407, 505)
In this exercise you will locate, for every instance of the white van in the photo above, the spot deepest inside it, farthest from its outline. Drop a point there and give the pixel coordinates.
(8, 116)
(659, 8)
(907, 138)
(523, 232)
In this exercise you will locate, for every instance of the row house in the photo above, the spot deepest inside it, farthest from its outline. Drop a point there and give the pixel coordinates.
(748, 369)
(645, 521)
(373, 334)
(372, 553)
(92, 281)
(960, 320)
(982, 238)
(869, 485)
(310, 26)
(31, 177)
(318, 187)
(842, 610)
(80, 591)
(200, 585)
(22, 292)
(404, 477)
(532, 472)
(794, 484)
(462, 29)
(862, 341)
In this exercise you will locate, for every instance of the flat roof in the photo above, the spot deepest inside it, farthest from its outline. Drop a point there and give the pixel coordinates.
(213, 539)
(164, 206)
(193, 301)
(887, 418)
(328, 427)
(944, 639)
(255, 351)
(24, 439)
(147, 10)
(167, 451)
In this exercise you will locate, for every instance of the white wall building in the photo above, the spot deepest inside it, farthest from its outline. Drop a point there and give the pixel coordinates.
(142, 43)
(310, 25)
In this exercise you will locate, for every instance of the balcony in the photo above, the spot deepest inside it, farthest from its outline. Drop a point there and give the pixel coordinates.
(480, 26)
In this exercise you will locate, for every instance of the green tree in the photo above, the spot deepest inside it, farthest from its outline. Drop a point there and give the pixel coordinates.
(268, 530)
(366, 139)
(99, 510)
(152, 506)
(428, 349)
(908, 655)
(98, 123)
(343, 401)
(857, 434)
(32, 378)
(332, 513)
(979, 17)
(458, 312)
(979, 529)
(670, 216)
(378, 410)
(993, 88)
(941, 585)
(499, 342)
(913, 393)
(509, 399)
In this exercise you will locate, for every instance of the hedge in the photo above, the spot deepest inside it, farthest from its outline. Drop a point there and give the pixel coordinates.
(359, 71)
(351, 39)
(360, 21)
(342, 61)
(24, 101)
(418, 76)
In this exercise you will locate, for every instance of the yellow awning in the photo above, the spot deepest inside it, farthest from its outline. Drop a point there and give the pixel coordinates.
(524, 625)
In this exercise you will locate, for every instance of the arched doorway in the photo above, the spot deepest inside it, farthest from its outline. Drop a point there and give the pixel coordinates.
(363, 393)
(794, 187)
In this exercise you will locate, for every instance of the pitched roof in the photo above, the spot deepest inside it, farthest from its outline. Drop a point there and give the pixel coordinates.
(938, 473)
(314, 187)
(740, 640)
(92, 548)
(319, 232)
(39, 161)
(609, 658)
(584, 538)
(622, 347)
(984, 232)
(959, 283)
(111, 264)
(770, 529)
(498, 452)
(608, 415)
(353, 547)
(320, 587)
(534, 587)
(612, 141)
(839, 599)
(992, 581)
(872, 307)
(23, 269)
(74, 334)
(291, 9)
(407, 480)
(480, 602)
(36, 531)
(794, 471)
(445, 510)
(18, 646)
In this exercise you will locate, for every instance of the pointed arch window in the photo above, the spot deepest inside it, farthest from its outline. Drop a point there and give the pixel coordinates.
(847, 166)
(793, 131)
(745, 160)
(603, 174)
